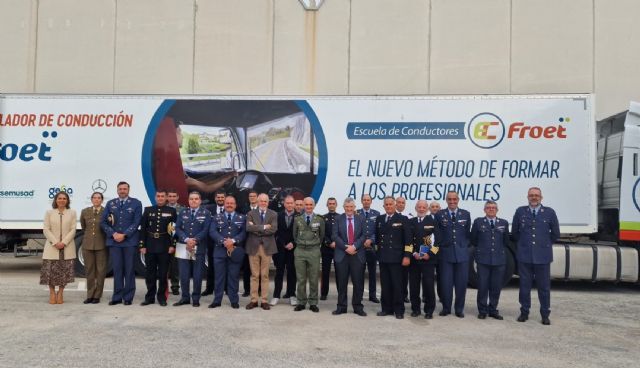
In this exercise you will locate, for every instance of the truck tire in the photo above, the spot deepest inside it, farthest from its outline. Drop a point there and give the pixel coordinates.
(140, 265)
(473, 271)
(510, 267)
(509, 270)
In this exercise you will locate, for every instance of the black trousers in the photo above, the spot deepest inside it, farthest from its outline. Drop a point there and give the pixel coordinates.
(283, 260)
(174, 273)
(350, 266)
(327, 258)
(211, 274)
(157, 267)
(422, 274)
(405, 282)
(246, 274)
(392, 300)
(372, 266)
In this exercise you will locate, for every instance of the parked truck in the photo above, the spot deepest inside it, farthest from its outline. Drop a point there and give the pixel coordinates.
(418, 147)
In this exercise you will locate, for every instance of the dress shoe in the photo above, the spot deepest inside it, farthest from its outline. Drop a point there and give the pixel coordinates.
(207, 292)
(245, 294)
(444, 313)
(88, 301)
(146, 302)
(496, 316)
(406, 300)
(399, 316)
(195, 304)
(314, 308)
(181, 302)
(523, 317)
(214, 305)
(382, 314)
(265, 306)
(127, 302)
(95, 301)
(274, 301)
(415, 314)
(361, 313)
(251, 305)
(374, 300)
(163, 303)
(482, 316)
(115, 302)
(546, 321)
(428, 316)
(175, 291)
(235, 305)
(323, 297)
(338, 312)
(286, 296)
(299, 307)
(459, 314)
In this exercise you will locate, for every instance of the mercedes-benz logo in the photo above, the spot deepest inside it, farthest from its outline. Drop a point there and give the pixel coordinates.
(99, 185)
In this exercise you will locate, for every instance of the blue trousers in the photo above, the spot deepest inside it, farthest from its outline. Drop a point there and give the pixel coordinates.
(124, 275)
(541, 274)
(453, 275)
(226, 271)
(187, 269)
(371, 264)
(489, 286)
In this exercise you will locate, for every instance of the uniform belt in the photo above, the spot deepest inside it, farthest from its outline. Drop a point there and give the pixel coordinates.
(157, 235)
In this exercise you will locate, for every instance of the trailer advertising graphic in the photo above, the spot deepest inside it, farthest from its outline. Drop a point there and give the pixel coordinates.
(485, 148)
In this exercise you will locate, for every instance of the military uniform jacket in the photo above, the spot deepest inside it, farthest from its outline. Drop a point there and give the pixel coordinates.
(535, 236)
(369, 223)
(419, 231)
(223, 228)
(123, 219)
(284, 235)
(196, 227)
(156, 229)
(93, 238)
(453, 236)
(491, 243)
(393, 238)
(311, 235)
(329, 224)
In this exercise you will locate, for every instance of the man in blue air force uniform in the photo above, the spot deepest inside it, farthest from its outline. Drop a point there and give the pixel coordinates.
(370, 215)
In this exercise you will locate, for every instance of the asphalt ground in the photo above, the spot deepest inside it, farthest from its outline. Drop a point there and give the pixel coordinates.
(593, 325)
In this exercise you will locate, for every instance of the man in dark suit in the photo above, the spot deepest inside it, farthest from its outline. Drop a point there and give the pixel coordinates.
(262, 225)
(393, 237)
(215, 209)
(452, 236)
(284, 260)
(120, 222)
(157, 244)
(228, 234)
(192, 229)
(490, 236)
(349, 236)
(421, 271)
(535, 228)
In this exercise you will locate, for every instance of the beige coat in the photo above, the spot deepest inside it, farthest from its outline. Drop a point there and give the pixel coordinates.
(257, 234)
(55, 229)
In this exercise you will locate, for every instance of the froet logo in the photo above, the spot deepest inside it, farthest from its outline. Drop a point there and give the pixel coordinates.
(25, 194)
(63, 188)
(487, 130)
(99, 186)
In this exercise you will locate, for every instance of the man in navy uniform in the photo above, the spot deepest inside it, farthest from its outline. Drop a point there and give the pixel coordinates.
(422, 269)
(157, 244)
(452, 236)
(393, 236)
(215, 209)
(349, 235)
(490, 236)
(192, 229)
(228, 233)
(174, 275)
(535, 228)
(328, 247)
(370, 215)
(120, 222)
(284, 259)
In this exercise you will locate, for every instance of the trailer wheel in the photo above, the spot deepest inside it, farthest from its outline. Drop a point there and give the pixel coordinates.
(510, 268)
(140, 264)
(473, 270)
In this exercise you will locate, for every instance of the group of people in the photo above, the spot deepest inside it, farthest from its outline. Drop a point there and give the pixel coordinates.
(414, 252)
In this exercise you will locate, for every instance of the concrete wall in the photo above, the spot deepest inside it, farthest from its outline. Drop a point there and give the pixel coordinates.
(264, 47)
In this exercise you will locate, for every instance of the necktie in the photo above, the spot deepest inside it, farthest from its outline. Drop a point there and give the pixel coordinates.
(492, 225)
(121, 203)
(229, 217)
(350, 234)
(420, 219)
(534, 213)
(193, 214)
(366, 215)
(262, 216)
(95, 212)
(453, 216)
(308, 220)
(388, 218)
(221, 209)
(288, 219)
